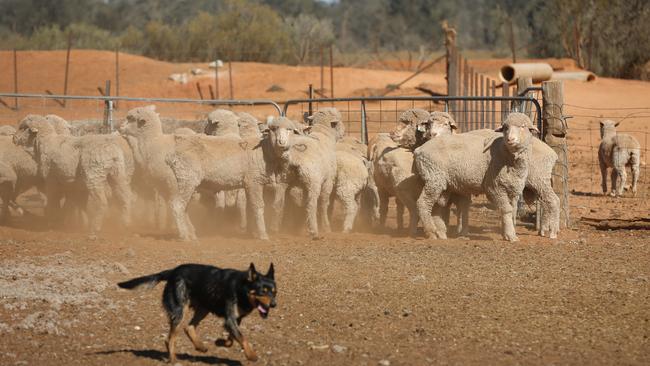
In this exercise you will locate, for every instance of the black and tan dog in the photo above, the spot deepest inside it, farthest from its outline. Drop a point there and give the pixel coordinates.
(226, 293)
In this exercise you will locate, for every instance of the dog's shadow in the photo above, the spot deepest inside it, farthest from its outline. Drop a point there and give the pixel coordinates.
(162, 356)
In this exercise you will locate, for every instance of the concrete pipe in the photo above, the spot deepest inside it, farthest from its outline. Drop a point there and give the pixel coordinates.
(574, 75)
(537, 71)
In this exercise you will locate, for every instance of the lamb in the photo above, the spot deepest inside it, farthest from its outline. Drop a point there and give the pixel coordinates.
(175, 165)
(538, 184)
(498, 169)
(70, 164)
(617, 151)
(308, 162)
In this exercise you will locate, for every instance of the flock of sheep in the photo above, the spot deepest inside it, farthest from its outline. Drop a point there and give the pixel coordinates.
(288, 166)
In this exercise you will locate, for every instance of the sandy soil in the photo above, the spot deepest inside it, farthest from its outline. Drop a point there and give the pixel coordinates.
(347, 299)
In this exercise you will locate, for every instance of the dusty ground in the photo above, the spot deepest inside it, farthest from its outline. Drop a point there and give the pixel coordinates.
(347, 299)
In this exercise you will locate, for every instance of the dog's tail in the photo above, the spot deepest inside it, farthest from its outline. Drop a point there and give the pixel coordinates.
(149, 281)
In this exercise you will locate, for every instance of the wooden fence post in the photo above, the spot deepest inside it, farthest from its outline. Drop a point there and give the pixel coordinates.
(67, 66)
(15, 79)
(452, 68)
(554, 134)
(117, 74)
(230, 80)
(523, 84)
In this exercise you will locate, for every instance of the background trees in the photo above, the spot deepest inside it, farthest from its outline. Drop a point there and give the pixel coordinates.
(608, 37)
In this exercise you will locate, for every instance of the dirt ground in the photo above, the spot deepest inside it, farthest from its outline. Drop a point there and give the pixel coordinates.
(363, 298)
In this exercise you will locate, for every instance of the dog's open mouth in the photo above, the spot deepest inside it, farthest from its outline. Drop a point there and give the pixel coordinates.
(264, 311)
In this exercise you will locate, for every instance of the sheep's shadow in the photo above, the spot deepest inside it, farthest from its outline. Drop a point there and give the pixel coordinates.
(162, 356)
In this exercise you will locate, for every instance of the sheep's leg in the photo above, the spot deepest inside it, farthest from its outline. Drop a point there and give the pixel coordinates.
(96, 207)
(279, 191)
(504, 205)
(323, 205)
(350, 209)
(400, 213)
(438, 221)
(406, 197)
(463, 204)
(622, 174)
(603, 174)
(312, 193)
(255, 200)
(53, 205)
(178, 206)
(550, 220)
(242, 207)
(383, 207)
(425, 203)
(614, 178)
(124, 197)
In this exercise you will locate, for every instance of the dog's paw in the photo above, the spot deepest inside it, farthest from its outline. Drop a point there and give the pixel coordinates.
(223, 343)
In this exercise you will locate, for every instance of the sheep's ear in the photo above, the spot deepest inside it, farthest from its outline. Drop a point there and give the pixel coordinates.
(33, 130)
(533, 128)
(602, 124)
(617, 123)
(306, 129)
(499, 129)
(452, 124)
(252, 273)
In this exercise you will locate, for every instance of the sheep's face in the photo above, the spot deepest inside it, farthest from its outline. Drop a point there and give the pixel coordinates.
(29, 128)
(404, 135)
(280, 133)
(61, 126)
(221, 122)
(142, 121)
(607, 127)
(329, 117)
(438, 124)
(517, 132)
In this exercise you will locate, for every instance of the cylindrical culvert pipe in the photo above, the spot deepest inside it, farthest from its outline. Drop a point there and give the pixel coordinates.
(537, 71)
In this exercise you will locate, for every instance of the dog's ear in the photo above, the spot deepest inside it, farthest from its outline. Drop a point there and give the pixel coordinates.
(252, 273)
(271, 272)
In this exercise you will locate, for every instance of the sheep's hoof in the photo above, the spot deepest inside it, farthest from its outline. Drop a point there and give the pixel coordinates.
(512, 239)
(316, 237)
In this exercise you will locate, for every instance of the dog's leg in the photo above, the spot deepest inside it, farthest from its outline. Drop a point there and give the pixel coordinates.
(233, 329)
(175, 303)
(190, 330)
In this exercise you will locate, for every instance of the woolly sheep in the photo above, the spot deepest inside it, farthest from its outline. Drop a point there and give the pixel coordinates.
(68, 163)
(379, 146)
(308, 162)
(499, 170)
(18, 173)
(176, 165)
(617, 151)
(538, 183)
(248, 126)
(222, 122)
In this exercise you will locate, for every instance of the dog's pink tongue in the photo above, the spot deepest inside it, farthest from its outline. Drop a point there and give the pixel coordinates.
(261, 309)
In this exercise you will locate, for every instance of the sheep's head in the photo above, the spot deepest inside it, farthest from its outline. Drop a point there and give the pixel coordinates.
(329, 117)
(29, 128)
(7, 130)
(222, 122)
(142, 121)
(608, 127)
(61, 126)
(248, 125)
(517, 132)
(280, 132)
(405, 132)
(438, 124)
